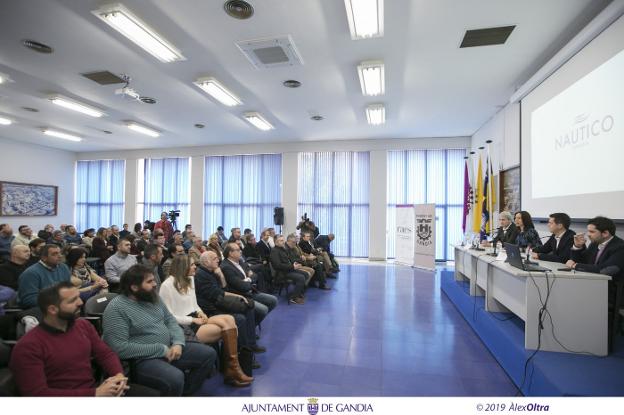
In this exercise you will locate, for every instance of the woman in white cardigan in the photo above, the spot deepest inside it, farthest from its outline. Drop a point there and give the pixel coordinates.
(178, 294)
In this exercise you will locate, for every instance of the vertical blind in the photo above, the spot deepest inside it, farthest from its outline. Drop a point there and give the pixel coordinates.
(241, 191)
(99, 193)
(166, 187)
(428, 176)
(333, 191)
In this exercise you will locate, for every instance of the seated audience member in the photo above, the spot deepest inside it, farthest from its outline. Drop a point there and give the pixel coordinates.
(176, 240)
(271, 237)
(178, 294)
(45, 273)
(87, 237)
(137, 230)
(58, 239)
(114, 237)
(46, 232)
(197, 249)
(6, 238)
(138, 327)
(250, 252)
(309, 263)
(263, 247)
(215, 246)
(527, 235)
(100, 245)
(188, 237)
(557, 248)
(175, 250)
(307, 246)
(209, 284)
(605, 253)
(24, 236)
(152, 257)
(71, 236)
(55, 358)
(149, 226)
(164, 225)
(221, 235)
(143, 241)
(188, 227)
(324, 242)
(117, 264)
(235, 237)
(133, 247)
(15, 266)
(125, 232)
(159, 240)
(507, 232)
(35, 250)
(83, 276)
(239, 279)
(286, 270)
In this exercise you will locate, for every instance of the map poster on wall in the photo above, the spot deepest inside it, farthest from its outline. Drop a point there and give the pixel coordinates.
(510, 190)
(21, 199)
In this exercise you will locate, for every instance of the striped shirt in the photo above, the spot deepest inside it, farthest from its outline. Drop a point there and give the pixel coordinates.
(140, 329)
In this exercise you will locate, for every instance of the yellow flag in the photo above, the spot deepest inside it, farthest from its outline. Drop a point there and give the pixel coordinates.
(478, 196)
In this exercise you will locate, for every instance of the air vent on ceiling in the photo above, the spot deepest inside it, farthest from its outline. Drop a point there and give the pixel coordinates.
(292, 83)
(104, 78)
(486, 37)
(271, 52)
(238, 9)
(37, 46)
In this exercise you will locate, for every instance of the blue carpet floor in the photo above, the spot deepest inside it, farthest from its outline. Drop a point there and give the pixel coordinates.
(549, 373)
(382, 331)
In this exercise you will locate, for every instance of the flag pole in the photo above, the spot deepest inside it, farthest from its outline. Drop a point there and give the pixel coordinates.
(491, 189)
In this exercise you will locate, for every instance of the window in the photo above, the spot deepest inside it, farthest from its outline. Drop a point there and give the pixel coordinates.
(165, 186)
(99, 193)
(333, 191)
(241, 191)
(428, 176)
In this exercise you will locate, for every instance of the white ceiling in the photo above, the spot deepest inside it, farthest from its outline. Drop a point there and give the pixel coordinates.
(433, 88)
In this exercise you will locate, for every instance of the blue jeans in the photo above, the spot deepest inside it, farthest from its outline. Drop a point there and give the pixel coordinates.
(181, 377)
(264, 303)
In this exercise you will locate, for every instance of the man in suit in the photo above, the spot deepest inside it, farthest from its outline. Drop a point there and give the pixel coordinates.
(324, 242)
(308, 248)
(263, 247)
(557, 248)
(239, 278)
(507, 232)
(605, 253)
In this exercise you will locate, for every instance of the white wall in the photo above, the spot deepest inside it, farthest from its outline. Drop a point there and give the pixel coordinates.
(290, 174)
(504, 131)
(27, 163)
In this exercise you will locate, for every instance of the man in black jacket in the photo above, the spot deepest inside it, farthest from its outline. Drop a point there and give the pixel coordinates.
(240, 278)
(287, 270)
(263, 247)
(307, 246)
(605, 253)
(507, 232)
(557, 248)
(324, 242)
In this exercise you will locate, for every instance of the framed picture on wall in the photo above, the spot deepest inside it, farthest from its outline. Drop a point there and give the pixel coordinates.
(510, 189)
(23, 199)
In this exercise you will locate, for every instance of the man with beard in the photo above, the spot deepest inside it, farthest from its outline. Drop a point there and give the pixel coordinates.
(138, 327)
(54, 358)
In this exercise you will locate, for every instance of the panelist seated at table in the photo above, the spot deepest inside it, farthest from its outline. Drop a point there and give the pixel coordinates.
(527, 235)
(605, 253)
(557, 248)
(507, 232)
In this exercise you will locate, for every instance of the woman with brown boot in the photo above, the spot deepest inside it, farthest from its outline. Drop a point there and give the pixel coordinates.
(178, 294)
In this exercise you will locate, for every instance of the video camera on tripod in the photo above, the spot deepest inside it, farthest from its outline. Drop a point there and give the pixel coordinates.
(173, 215)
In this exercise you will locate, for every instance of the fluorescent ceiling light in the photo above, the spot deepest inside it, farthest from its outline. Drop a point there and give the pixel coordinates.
(3, 78)
(5, 121)
(59, 134)
(76, 106)
(258, 121)
(376, 114)
(143, 130)
(214, 88)
(371, 75)
(126, 23)
(365, 18)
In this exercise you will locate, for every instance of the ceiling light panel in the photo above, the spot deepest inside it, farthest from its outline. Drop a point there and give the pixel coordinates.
(143, 130)
(74, 105)
(5, 121)
(60, 134)
(376, 114)
(258, 121)
(216, 90)
(126, 23)
(372, 80)
(365, 18)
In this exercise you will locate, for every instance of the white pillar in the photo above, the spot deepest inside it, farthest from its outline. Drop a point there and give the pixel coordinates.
(378, 200)
(197, 195)
(130, 193)
(290, 175)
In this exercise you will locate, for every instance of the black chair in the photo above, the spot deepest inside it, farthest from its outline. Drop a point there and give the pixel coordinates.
(7, 381)
(94, 309)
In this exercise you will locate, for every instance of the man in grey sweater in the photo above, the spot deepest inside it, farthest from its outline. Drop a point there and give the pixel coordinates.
(138, 327)
(116, 264)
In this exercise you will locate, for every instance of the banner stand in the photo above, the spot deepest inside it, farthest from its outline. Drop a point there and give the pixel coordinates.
(415, 236)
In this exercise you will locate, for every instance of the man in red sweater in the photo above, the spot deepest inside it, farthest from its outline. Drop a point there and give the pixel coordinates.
(54, 359)
(165, 225)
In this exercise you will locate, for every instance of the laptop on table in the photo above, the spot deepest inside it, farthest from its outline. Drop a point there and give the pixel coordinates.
(514, 257)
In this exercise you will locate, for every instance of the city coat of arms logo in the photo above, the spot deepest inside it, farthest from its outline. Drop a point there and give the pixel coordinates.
(313, 406)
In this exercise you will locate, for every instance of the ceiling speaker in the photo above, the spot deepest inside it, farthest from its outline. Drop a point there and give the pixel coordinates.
(238, 9)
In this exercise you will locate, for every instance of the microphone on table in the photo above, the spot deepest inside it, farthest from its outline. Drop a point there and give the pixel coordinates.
(495, 243)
